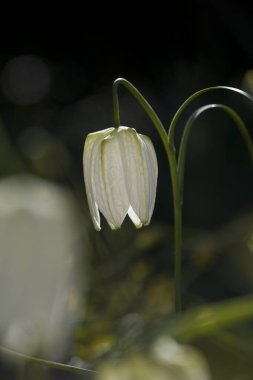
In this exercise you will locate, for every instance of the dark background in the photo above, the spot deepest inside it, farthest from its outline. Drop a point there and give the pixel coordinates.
(57, 66)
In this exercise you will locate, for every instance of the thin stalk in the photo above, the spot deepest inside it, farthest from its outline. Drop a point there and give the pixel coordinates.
(171, 155)
(45, 363)
(193, 97)
(177, 182)
(184, 140)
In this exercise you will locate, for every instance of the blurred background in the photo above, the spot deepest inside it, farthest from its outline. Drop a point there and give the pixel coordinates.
(56, 74)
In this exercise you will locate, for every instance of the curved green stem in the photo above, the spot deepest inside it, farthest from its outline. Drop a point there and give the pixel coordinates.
(193, 97)
(45, 363)
(145, 105)
(184, 140)
(177, 167)
(171, 155)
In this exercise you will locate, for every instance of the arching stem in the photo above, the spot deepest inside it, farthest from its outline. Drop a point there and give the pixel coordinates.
(171, 155)
(16, 356)
(177, 166)
(195, 96)
(187, 129)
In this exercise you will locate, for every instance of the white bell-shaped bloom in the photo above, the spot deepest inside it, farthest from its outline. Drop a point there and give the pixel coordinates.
(120, 173)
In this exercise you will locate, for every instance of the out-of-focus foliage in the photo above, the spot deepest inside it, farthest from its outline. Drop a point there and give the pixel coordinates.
(138, 304)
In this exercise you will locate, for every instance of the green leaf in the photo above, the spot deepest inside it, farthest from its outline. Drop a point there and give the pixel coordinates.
(209, 319)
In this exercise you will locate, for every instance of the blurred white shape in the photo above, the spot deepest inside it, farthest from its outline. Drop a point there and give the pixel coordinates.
(41, 261)
(168, 361)
(25, 79)
(184, 361)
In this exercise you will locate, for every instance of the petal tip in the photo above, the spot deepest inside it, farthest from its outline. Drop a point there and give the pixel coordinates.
(113, 227)
(96, 225)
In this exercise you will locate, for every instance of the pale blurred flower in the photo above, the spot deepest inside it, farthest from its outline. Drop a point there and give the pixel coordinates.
(40, 283)
(120, 172)
(185, 362)
(167, 361)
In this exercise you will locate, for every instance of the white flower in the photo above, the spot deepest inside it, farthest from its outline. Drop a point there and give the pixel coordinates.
(120, 173)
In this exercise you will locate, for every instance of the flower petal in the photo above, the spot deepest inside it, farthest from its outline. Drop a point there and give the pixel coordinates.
(152, 168)
(134, 218)
(93, 140)
(140, 168)
(112, 200)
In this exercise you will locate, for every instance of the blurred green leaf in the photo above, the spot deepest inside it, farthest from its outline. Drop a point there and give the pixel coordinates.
(209, 319)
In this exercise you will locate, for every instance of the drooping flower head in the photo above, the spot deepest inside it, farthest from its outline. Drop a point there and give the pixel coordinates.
(120, 173)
